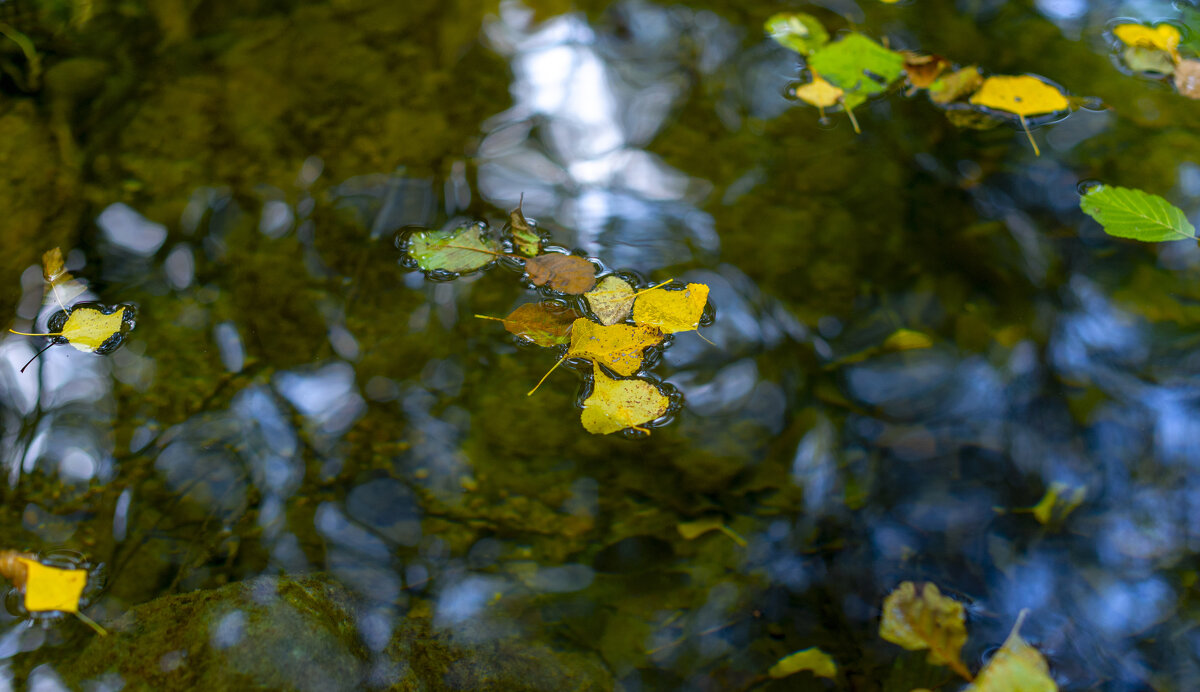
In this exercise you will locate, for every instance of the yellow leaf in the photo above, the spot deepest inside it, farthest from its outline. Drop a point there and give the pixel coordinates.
(52, 266)
(819, 93)
(1055, 505)
(926, 620)
(1016, 667)
(671, 311)
(611, 300)
(618, 346)
(1022, 95)
(50, 588)
(691, 530)
(618, 404)
(88, 328)
(906, 340)
(1162, 37)
(814, 660)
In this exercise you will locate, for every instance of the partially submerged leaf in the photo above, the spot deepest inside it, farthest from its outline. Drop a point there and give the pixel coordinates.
(541, 324)
(1129, 213)
(568, 274)
(619, 347)
(53, 267)
(50, 588)
(1162, 37)
(1015, 667)
(465, 248)
(1141, 59)
(611, 300)
(906, 340)
(814, 660)
(93, 328)
(923, 70)
(525, 236)
(672, 311)
(1187, 78)
(1057, 504)
(798, 31)
(955, 85)
(819, 93)
(691, 530)
(926, 619)
(615, 405)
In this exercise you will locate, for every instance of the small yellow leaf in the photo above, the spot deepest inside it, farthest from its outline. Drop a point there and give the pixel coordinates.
(611, 300)
(53, 266)
(88, 328)
(50, 588)
(1021, 95)
(618, 346)
(619, 404)
(906, 340)
(1163, 37)
(1055, 505)
(926, 620)
(691, 530)
(814, 660)
(1015, 667)
(672, 311)
(819, 93)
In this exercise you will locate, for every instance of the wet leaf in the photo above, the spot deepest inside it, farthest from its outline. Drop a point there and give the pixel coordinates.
(50, 588)
(1141, 59)
(671, 311)
(819, 93)
(925, 619)
(814, 660)
(53, 269)
(540, 323)
(1162, 37)
(857, 64)
(525, 236)
(568, 274)
(800, 32)
(1021, 95)
(465, 248)
(619, 347)
(923, 70)
(1187, 78)
(615, 405)
(955, 85)
(1057, 504)
(89, 328)
(611, 300)
(1015, 667)
(1129, 213)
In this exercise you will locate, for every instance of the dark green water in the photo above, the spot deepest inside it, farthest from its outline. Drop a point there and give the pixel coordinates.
(293, 401)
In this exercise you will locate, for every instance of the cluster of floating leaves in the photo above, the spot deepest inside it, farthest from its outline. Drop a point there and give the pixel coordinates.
(86, 326)
(607, 323)
(847, 71)
(1158, 50)
(923, 619)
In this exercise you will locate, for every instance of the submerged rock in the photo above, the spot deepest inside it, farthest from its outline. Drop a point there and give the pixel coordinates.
(301, 634)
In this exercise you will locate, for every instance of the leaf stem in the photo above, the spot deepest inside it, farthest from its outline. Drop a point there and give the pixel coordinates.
(552, 368)
(1025, 125)
(28, 334)
(92, 623)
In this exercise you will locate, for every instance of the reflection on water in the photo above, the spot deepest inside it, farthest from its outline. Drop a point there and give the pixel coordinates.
(294, 402)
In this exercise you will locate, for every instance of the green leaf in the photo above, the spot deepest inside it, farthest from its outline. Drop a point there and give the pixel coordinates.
(1129, 213)
(797, 31)
(458, 250)
(858, 65)
(1141, 59)
(526, 238)
(814, 660)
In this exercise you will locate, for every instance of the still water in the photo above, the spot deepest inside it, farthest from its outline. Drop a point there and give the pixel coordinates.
(309, 467)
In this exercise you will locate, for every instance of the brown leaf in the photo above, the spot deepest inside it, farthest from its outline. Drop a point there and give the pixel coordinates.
(924, 70)
(1187, 78)
(540, 324)
(926, 619)
(569, 274)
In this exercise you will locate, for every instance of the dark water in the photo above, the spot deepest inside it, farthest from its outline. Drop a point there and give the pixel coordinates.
(295, 401)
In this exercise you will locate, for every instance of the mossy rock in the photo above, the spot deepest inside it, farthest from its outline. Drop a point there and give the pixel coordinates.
(300, 634)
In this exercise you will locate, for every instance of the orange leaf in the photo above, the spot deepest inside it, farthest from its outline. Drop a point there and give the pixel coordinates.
(540, 324)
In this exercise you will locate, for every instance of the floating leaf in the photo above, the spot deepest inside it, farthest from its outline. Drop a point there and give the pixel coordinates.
(859, 66)
(800, 32)
(1162, 37)
(1128, 213)
(1056, 504)
(462, 249)
(52, 589)
(926, 620)
(619, 404)
(956, 85)
(672, 311)
(619, 346)
(568, 274)
(819, 93)
(1015, 667)
(525, 236)
(814, 660)
(923, 70)
(1141, 59)
(1021, 95)
(1187, 78)
(611, 300)
(53, 267)
(691, 530)
(540, 323)
(93, 328)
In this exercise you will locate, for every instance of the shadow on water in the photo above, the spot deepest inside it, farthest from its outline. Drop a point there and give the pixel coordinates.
(311, 468)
